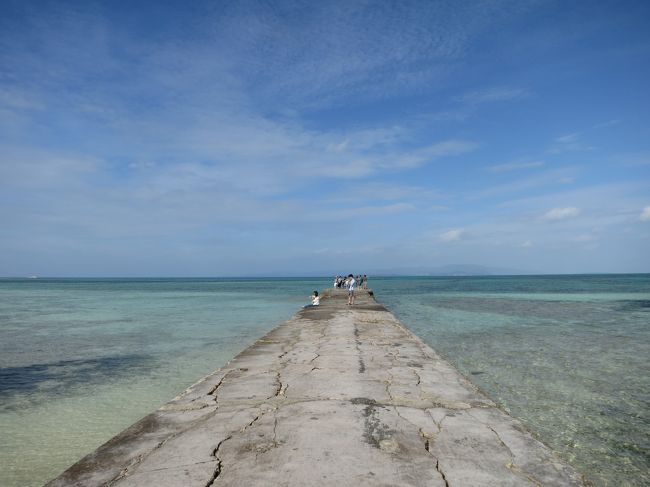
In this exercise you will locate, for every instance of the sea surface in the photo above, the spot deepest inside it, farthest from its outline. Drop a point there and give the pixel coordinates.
(81, 359)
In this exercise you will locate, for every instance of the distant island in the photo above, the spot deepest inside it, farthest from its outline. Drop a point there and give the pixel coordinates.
(453, 270)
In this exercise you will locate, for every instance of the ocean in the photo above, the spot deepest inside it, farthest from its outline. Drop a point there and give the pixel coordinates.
(81, 359)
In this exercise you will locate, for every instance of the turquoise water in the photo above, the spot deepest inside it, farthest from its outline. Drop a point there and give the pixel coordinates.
(566, 354)
(82, 359)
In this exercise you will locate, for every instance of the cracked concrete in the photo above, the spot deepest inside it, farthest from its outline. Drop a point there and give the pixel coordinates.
(338, 395)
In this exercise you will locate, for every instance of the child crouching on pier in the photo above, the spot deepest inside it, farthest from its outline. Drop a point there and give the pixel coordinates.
(315, 300)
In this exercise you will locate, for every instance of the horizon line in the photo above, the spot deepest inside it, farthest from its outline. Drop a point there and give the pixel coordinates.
(460, 274)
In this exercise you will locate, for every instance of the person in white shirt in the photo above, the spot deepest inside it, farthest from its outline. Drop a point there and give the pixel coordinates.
(352, 284)
(315, 300)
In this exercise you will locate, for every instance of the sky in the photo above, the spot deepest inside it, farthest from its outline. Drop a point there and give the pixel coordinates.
(250, 138)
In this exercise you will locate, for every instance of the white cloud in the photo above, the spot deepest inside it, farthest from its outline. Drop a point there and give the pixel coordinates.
(452, 235)
(561, 213)
(527, 244)
(645, 214)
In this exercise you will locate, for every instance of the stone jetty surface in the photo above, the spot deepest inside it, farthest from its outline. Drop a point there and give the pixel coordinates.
(337, 396)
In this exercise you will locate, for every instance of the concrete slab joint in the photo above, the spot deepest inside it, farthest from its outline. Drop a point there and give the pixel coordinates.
(338, 395)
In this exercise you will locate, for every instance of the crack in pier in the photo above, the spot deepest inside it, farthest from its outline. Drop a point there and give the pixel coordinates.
(357, 341)
(219, 467)
(442, 474)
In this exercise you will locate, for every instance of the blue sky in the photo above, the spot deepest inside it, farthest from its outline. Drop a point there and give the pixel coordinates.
(285, 138)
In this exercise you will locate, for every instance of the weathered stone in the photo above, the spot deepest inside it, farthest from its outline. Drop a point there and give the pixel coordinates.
(339, 395)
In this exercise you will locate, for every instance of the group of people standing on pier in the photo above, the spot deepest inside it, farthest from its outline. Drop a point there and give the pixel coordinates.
(360, 281)
(351, 283)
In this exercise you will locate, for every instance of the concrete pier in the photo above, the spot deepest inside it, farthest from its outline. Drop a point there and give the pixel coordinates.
(337, 396)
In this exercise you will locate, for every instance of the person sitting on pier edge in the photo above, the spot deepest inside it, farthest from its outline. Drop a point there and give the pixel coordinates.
(352, 284)
(315, 300)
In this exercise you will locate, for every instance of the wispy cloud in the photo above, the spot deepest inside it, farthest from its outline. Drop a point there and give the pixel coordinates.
(429, 154)
(561, 213)
(638, 159)
(645, 214)
(609, 123)
(514, 166)
(572, 142)
(568, 138)
(35, 169)
(345, 62)
(566, 180)
(368, 191)
(452, 235)
(603, 204)
(491, 95)
(537, 181)
(583, 238)
(369, 211)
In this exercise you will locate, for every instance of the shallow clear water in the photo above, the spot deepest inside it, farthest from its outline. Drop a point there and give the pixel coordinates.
(82, 359)
(566, 354)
